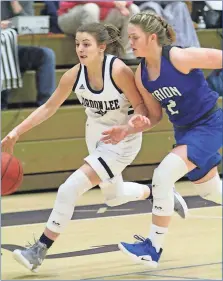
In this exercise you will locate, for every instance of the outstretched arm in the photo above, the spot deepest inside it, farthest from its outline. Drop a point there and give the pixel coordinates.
(43, 112)
(191, 58)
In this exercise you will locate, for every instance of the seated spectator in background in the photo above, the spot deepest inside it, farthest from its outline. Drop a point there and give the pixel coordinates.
(15, 8)
(176, 13)
(40, 59)
(215, 81)
(72, 14)
(10, 71)
(50, 9)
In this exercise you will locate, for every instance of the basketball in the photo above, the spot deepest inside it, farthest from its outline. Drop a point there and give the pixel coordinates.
(11, 174)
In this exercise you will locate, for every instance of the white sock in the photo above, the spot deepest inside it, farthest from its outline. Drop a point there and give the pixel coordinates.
(157, 235)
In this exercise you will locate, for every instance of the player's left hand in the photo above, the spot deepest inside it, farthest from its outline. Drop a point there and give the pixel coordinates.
(139, 121)
(115, 134)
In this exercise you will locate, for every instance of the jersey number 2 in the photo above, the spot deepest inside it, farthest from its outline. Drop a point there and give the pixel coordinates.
(171, 106)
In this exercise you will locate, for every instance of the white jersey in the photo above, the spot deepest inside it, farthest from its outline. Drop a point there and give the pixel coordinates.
(108, 106)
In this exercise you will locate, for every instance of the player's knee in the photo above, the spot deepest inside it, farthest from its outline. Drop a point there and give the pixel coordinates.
(160, 182)
(165, 175)
(67, 195)
(211, 189)
(113, 193)
(121, 192)
(171, 169)
(73, 187)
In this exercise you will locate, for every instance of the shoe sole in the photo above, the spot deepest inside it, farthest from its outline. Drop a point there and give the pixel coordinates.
(136, 259)
(183, 212)
(23, 261)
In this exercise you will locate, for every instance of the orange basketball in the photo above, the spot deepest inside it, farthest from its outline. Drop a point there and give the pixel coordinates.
(11, 173)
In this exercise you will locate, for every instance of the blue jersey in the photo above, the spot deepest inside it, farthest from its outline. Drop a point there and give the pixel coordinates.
(185, 97)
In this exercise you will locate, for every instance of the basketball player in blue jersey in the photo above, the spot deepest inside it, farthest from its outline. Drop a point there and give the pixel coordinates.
(170, 78)
(105, 86)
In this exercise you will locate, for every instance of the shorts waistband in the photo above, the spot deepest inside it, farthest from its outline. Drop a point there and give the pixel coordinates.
(206, 115)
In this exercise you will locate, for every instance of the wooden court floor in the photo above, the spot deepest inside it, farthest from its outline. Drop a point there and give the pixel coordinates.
(87, 250)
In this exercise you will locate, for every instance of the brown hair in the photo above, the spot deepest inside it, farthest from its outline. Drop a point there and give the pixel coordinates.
(152, 23)
(105, 34)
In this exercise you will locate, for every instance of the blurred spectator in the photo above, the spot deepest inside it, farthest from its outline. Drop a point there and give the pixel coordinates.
(13, 8)
(50, 9)
(211, 11)
(10, 71)
(72, 14)
(177, 14)
(40, 59)
(215, 81)
(118, 14)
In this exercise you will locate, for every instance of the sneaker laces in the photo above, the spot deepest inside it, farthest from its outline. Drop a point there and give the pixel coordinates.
(30, 245)
(139, 238)
(37, 247)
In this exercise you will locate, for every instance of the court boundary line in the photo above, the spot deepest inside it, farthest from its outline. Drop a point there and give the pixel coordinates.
(157, 270)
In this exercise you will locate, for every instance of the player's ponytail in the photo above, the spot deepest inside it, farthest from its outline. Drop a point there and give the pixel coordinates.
(105, 34)
(114, 43)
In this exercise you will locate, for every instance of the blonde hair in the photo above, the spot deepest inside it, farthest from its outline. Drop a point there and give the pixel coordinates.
(152, 23)
(105, 34)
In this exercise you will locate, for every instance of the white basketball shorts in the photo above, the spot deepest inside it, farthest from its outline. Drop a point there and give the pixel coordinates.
(109, 160)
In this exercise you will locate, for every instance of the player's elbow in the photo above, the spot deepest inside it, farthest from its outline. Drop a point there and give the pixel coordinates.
(156, 118)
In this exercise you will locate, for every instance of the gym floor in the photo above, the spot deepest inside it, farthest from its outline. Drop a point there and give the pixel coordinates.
(88, 250)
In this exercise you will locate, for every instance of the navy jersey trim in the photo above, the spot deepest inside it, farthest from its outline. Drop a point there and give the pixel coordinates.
(78, 76)
(110, 71)
(107, 169)
(103, 76)
(166, 51)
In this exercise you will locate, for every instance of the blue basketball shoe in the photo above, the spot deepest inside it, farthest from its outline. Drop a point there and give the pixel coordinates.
(141, 252)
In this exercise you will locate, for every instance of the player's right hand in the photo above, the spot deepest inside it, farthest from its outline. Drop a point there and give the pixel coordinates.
(115, 134)
(139, 121)
(9, 141)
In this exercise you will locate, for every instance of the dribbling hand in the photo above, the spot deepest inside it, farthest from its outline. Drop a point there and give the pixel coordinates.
(115, 134)
(9, 141)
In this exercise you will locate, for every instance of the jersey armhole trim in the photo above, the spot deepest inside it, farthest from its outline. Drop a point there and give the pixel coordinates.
(166, 51)
(110, 71)
(77, 79)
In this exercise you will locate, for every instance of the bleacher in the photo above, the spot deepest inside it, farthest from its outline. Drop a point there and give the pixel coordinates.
(54, 149)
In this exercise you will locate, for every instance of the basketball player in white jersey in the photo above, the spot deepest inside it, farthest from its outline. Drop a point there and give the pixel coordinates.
(106, 88)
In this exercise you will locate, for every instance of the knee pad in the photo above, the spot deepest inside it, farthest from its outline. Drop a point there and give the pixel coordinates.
(171, 169)
(211, 190)
(119, 192)
(67, 196)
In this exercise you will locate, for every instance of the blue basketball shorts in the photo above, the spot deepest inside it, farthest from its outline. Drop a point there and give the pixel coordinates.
(203, 142)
